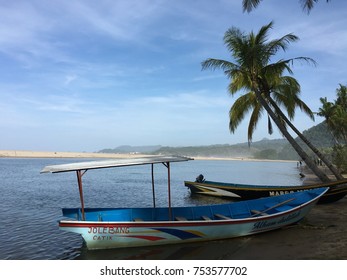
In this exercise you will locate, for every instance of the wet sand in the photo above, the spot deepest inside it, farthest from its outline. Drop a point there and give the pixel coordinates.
(321, 235)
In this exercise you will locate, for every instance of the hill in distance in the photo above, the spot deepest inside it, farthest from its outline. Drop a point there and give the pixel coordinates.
(263, 149)
(242, 150)
(126, 149)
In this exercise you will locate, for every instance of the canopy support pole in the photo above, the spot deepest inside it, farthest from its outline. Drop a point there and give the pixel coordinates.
(167, 164)
(80, 188)
(153, 190)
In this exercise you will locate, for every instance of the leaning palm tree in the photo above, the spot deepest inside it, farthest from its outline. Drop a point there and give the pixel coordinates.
(314, 149)
(249, 5)
(267, 88)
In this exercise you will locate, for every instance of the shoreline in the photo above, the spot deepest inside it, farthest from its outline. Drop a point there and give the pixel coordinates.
(310, 178)
(49, 154)
(46, 154)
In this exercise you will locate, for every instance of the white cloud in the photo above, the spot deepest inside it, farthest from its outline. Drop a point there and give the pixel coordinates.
(69, 79)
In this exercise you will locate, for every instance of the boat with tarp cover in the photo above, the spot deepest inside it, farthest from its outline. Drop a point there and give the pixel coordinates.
(103, 228)
(337, 189)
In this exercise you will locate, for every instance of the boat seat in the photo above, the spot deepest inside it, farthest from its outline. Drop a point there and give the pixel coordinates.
(220, 216)
(180, 218)
(257, 212)
(205, 218)
(283, 208)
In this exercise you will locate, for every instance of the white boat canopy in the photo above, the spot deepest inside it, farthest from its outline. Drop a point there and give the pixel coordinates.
(111, 163)
(82, 167)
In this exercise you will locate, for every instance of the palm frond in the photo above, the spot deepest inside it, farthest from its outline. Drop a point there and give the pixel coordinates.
(308, 60)
(287, 94)
(240, 109)
(262, 34)
(249, 5)
(214, 64)
(253, 121)
(281, 43)
(234, 40)
(239, 81)
(307, 5)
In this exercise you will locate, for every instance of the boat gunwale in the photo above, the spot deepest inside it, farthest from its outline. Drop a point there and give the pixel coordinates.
(247, 187)
(77, 223)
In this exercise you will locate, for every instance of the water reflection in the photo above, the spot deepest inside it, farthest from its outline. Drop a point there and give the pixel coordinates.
(219, 249)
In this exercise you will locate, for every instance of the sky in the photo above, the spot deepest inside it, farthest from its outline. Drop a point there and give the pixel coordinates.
(87, 75)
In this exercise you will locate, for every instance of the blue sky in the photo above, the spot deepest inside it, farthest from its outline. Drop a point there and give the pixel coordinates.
(87, 75)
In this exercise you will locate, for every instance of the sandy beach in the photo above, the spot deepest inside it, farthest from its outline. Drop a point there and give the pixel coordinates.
(48, 154)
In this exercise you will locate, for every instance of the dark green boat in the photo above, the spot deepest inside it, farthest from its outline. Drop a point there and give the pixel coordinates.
(337, 189)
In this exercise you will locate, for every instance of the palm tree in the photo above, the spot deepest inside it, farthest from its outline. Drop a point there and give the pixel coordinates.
(265, 85)
(249, 5)
(336, 114)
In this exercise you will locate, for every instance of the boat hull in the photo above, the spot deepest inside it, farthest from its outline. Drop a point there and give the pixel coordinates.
(117, 234)
(337, 190)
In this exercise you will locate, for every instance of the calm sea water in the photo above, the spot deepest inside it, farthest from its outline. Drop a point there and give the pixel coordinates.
(30, 202)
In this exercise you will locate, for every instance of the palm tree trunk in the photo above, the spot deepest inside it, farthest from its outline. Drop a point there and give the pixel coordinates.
(309, 162)
(331, 167)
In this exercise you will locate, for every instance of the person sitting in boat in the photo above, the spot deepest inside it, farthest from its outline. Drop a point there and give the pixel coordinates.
(200, 179)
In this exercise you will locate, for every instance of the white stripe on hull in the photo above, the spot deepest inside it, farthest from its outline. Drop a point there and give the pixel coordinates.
(216, 191)
(102, 235)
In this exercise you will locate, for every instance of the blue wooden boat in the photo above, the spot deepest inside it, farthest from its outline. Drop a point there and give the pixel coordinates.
(103, 228)
(337, 189)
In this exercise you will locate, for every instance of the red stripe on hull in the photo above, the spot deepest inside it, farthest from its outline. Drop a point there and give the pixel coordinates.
(173, 223)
